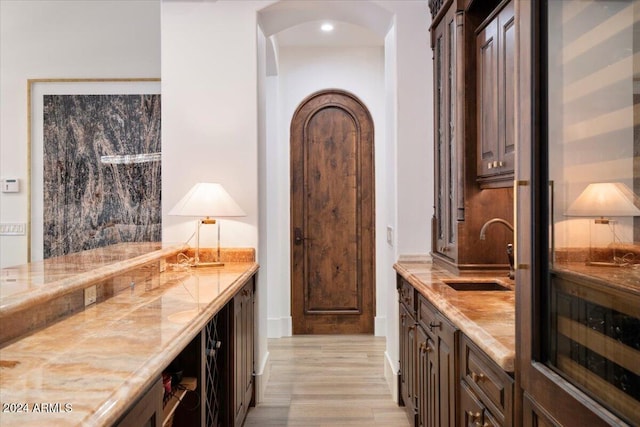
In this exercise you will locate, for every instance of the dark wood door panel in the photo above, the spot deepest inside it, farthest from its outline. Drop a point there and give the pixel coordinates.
(332, 267)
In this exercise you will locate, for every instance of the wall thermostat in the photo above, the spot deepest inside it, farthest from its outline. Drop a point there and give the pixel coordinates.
(10, 185)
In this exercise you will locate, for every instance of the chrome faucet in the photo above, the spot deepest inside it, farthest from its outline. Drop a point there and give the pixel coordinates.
(512, 273)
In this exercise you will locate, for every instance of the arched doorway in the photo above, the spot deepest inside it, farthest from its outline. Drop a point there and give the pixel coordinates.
(332, 216)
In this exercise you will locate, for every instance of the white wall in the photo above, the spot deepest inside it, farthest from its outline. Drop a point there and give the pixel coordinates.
(210, 111)
(414, 92)
(409, 147)
(62, 39)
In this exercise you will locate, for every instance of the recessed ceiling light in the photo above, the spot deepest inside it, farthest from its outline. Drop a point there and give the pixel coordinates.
(327, 27)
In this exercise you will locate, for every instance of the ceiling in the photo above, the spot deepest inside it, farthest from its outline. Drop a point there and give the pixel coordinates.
(344, 35)
(297, 23)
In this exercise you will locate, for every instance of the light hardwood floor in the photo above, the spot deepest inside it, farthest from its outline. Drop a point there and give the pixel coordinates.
(327, 381)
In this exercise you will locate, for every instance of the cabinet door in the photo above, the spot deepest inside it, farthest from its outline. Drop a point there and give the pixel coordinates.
(239, 408)
(243, 352)
(495, 48)
(506, 91)
(487, 52)
(446, 140)
(408, 361)
(447, 373)
(248, 337)
(427, 380)
(444, 374)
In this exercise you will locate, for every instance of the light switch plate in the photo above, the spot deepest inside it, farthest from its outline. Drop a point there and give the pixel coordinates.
(10, 185)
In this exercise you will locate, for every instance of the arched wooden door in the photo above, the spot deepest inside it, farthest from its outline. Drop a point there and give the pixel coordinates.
(332, 216)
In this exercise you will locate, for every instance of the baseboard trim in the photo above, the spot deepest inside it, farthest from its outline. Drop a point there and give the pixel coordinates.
(278, 327)
(391, 376)
(261, 378)
(380, 326)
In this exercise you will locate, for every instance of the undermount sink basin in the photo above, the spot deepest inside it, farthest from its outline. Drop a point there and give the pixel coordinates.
(476, 285)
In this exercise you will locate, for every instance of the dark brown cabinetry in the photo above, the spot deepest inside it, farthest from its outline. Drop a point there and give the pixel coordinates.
(242, 332)
(495, 56)
(489, 390)
(408, 365)
(427, 378)
(220, 358)
(441, 349)
(446, 137)
(461, 206)
(428, 367)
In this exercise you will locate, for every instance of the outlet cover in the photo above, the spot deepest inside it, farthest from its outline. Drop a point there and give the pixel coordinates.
(12, 229)
(90, 295)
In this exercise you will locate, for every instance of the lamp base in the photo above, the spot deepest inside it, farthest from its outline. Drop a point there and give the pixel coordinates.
(208, 264)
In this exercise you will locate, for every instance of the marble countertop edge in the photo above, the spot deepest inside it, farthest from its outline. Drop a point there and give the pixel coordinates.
(15, 303)
(500, 353)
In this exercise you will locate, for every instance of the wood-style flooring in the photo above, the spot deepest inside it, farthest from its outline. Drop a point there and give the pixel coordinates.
(327, 381)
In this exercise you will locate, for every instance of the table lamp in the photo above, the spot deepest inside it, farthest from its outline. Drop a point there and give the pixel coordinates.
(207, 200)
(604, 200)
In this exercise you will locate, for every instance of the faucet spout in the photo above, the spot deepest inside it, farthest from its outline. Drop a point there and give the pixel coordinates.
(492, 221)
(509, 246)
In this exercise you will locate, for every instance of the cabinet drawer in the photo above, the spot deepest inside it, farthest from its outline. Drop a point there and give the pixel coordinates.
(406, 293)
(427, 314)
(493, 386)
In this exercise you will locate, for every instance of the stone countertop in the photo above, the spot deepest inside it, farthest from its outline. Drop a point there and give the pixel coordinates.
(95, 363)
(38, 282)
(486, 317)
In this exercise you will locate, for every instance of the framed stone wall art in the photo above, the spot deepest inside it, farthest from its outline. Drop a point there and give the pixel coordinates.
(95, 164)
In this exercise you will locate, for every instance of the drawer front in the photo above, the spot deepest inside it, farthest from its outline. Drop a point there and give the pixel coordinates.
(491, 384)
(407, 295)
(428, 316)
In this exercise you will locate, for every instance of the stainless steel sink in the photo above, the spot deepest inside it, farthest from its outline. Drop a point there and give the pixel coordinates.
(476, 285)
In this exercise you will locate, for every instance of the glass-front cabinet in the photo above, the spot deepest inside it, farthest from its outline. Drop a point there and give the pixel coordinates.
(578, 207)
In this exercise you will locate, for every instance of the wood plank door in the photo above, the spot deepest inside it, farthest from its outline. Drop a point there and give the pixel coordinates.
(332, 216)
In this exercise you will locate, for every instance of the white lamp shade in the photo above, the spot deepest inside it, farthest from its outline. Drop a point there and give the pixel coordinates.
(207, 200)
(605, 199)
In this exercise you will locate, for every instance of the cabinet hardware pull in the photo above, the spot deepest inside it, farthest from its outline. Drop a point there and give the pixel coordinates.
(474, 417)
(425, 347)
(477, 377)
(434, 325)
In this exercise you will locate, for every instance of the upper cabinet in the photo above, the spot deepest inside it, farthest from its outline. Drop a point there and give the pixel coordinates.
(495, 56)
(446, 135)
(462, 205)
